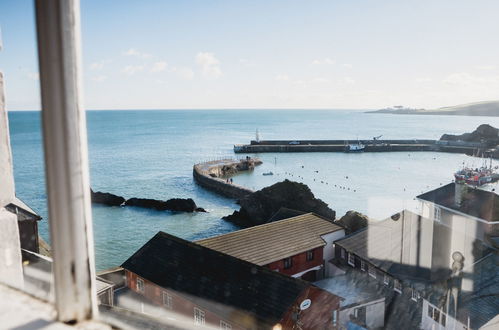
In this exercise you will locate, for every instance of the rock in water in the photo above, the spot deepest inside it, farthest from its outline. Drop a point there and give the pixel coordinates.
(258, 207)
(353, 221)
(174, 204)
(106, 198)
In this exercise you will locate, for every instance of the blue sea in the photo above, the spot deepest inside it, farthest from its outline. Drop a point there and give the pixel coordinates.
(150, 154)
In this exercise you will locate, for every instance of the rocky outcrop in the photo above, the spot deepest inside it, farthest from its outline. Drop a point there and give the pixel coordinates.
(258, 208)
(174, 204)
(353, 221)
(484, 133)
(106, 198)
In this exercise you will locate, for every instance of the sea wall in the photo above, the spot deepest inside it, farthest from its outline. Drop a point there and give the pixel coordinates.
(209, 176)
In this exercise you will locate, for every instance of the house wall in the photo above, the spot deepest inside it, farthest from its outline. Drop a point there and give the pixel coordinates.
(435, 322)
(320, 313)
(330, 239)
(375, 313)
(299, 264)
(182, 305)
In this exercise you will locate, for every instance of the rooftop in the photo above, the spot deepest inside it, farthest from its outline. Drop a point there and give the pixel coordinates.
(209, 275)
(273, 241)
(476, 202)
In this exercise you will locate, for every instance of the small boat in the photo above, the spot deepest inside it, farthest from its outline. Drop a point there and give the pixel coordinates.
(355, 147)
(268, 173)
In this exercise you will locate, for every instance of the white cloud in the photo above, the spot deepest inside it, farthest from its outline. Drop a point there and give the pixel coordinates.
(159, 66)
(132, 69)
(349, 80)
(136, 53)
(464, 78)
(99, 78)
(326, 61)
(282, 77)
(210, 65)
(347, 65)
(423, 79)
(33, 75)
(184, 73)
(487, 67)
(99, 65)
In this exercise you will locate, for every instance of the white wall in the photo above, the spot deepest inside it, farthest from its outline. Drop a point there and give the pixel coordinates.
(6, 172)
(330, 239)
(375, 314)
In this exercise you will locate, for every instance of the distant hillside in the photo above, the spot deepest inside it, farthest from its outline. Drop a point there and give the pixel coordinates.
(487, 108)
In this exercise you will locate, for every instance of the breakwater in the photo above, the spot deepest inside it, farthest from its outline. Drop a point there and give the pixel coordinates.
(214, 176)
(370, 146)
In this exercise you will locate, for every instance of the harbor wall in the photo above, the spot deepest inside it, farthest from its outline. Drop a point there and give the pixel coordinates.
(201, 174)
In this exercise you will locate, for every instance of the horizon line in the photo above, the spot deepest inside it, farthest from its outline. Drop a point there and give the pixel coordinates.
(205, 109)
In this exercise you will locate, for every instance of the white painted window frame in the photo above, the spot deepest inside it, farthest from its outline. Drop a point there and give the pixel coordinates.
(437, 213)
(351, 259)
(168, 302)
(66, 159)
(140, 285)
(199, 316)
(371, 270)
(362, 265)
(386, 279)
(414, 294)
(224, 325)
(395, 284)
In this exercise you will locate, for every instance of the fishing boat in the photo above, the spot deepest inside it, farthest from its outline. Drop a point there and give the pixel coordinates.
(477, 176)
(268, 173)
(355, 147)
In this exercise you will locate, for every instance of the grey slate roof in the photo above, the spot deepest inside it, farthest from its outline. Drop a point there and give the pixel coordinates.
(194, 270)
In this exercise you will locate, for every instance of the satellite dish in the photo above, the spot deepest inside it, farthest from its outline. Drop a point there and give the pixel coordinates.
(305, 304)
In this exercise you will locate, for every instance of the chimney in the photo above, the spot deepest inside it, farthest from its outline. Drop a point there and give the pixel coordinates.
(460, 190)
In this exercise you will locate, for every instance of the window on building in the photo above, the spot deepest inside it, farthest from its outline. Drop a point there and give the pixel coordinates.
(140, 285)
(430, 311)
(414, 294)
(443, 320)
(225, 326)
(386, 279)
(397, 286)
(436, 314)
(351, 259)
(310, 255)
(437, 213)
(363, 265)
(334, 319)
(288, 263)
(342, 253)
(199, 316)
(372, 271)
(167, 300)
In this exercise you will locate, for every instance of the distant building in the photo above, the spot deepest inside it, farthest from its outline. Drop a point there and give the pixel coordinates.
(218, 290)
(428, 263)
(473, 210)
(27, 220)
(300, 246)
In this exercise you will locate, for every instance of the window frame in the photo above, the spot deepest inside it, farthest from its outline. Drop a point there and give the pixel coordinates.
(351, 259)
(199, 316)
(169, 300)
(362, 265)
(371, 270)
(386, 279)
(140, 287)
(310, 255)
(397, 286)
(224, 325)
(288, 262)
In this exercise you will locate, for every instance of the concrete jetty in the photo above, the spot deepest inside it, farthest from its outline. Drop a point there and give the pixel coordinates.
(370, 146)
(213, 175)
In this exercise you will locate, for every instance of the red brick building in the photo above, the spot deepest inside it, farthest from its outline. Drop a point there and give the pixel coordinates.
(210, 288)
(299, 246)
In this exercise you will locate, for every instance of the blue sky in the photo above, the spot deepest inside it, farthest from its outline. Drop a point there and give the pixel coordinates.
(268, 54)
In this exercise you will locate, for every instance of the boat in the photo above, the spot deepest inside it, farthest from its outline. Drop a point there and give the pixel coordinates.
(477, 176)
(268, 173)
(355, 147)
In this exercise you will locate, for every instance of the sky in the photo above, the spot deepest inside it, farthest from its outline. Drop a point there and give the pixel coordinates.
(335, 54)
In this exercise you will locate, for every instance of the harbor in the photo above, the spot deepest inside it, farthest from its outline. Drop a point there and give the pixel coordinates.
(373, 145)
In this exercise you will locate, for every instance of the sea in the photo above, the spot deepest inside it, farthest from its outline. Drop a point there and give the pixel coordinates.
(150, 154)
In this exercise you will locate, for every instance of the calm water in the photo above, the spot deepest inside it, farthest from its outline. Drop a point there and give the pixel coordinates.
(151, 153)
